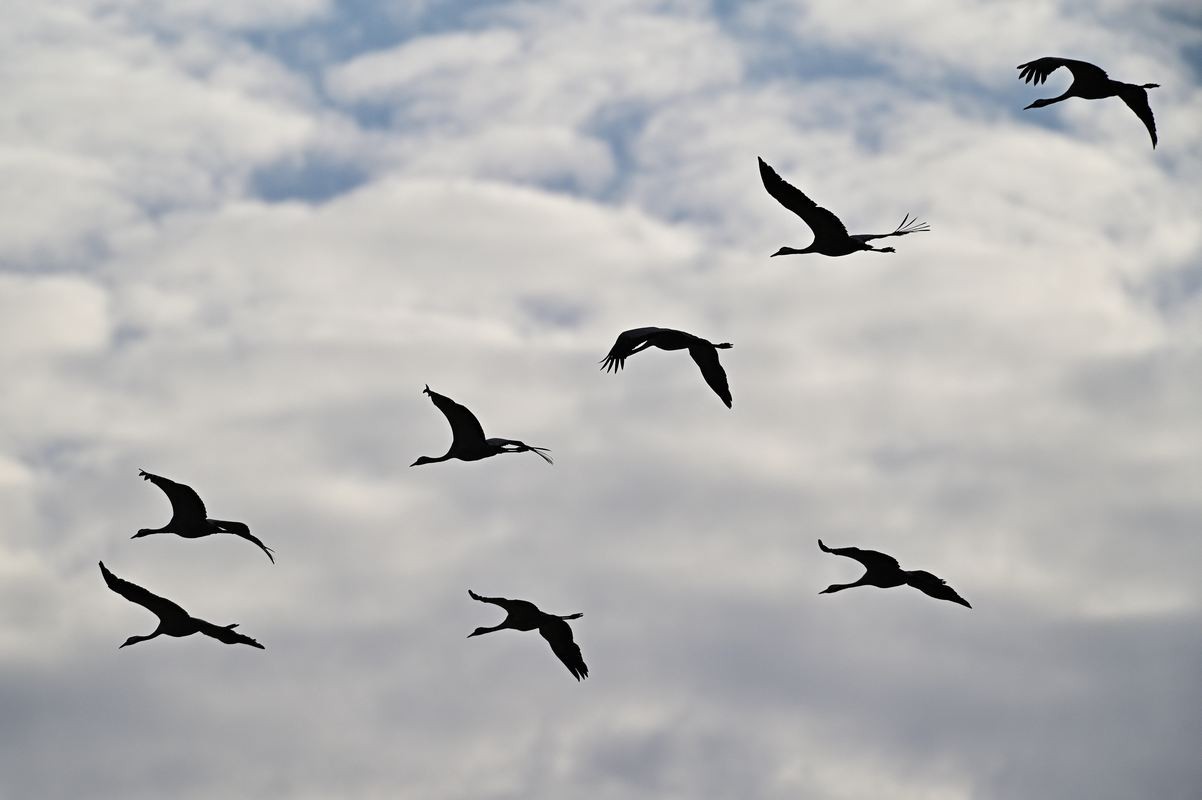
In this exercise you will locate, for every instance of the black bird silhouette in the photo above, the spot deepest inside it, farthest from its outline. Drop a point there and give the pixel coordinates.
(173, 620)
(469, 443)
(1090, 82)
(830, 236)
(189, 518)
(885, 572)
(521, 615)
(703, 351)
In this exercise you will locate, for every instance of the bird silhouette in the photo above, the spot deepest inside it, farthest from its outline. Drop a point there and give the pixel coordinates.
(521, 615)
(173, 620)
(189, 518)
(703, 351)
(1090, 82)
(469, 443)
(830, 235)
(884, 571)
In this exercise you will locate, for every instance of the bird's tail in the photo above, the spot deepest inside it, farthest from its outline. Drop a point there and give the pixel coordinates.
(910, 225)
(724, 346)
(577, 615)
(1150, 86)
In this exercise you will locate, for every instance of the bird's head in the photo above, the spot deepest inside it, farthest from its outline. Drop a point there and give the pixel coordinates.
(1037, 104)
(834, 587)
(477, 632)
(142, 532)
(422, 460)
(426, 390)
(131, 640)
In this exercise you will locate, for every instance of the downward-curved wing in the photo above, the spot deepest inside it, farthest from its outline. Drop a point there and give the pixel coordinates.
(824, 223)
(160, 606)
(465, 428)
(871, 559)
(559, 635)
(627, 344)
(934, 586)
(706, 356)
(1037, 71)
(185, 502)
(1136, 99)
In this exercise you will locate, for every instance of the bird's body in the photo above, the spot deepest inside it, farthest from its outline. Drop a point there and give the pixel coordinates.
(522, 615)
(703, 351)
(189, 518)
(469, 442)
(173, 620)
(884, 572)
(830, 235)
(1090, 82)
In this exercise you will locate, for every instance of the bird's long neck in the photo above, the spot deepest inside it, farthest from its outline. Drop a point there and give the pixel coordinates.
(493, 629)
(136, 639)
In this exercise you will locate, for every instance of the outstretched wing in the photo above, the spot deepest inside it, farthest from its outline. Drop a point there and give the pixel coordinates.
(227, 634)
(1037, 71)
(824, 223)
(934, 586)
(625, 346)
(510, 606)
(160, 606)
(465, 428)
(706, 356)
(871, 559)
(559, 635)
(1136, 98)
(185, 502)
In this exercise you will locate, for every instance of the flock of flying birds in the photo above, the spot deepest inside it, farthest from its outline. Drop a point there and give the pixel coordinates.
(190, 519)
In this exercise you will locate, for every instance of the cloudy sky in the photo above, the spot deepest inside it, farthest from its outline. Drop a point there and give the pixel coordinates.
(237, 239)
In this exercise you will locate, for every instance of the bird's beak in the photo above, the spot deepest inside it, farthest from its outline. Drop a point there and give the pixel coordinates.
(1030, 106)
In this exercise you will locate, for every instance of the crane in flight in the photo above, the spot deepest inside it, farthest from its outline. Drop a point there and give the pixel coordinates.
(173, 620)
(830, 235)
(521, 615)
(1090, 82)
(189, 518)
(468, 442)
(884, 572)
(703, 351)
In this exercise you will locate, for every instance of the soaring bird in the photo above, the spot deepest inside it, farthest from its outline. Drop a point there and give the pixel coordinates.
(173, 620)
(830, 236)
(703, 351)
(521, 615)
(885, 572)
(189, 518)
(1090, 83)
(469, 443)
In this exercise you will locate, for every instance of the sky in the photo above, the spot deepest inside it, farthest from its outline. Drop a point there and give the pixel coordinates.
(239, 238)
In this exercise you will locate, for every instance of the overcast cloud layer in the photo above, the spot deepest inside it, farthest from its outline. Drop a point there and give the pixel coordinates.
(238, 238)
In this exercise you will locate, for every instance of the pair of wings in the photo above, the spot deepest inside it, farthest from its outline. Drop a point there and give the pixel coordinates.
(874, 561)
(556, 631)
(1037, 72)
(704, 354)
